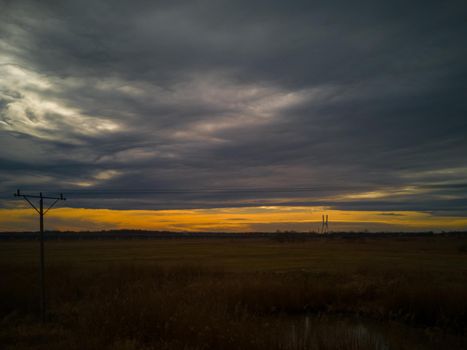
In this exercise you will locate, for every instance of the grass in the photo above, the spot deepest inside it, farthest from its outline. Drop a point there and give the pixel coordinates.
(237, 294)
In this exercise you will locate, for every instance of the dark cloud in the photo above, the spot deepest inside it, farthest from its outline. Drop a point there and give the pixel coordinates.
(363, 102)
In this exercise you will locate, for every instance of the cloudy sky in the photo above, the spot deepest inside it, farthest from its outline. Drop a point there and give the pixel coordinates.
(239, 113)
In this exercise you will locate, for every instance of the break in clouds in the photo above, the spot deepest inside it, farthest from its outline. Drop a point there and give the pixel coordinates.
(364, 103)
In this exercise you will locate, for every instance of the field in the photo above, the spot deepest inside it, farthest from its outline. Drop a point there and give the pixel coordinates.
(361, 293)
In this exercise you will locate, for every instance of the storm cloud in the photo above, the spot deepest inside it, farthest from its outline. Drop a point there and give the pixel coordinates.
(350, 105)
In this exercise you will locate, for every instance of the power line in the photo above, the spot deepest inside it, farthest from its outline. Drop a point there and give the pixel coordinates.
(137, 191)
(129, 192)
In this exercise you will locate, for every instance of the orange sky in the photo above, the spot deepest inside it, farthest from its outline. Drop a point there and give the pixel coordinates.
(227, 219)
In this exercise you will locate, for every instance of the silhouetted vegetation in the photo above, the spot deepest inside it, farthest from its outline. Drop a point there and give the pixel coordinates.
(281, 236)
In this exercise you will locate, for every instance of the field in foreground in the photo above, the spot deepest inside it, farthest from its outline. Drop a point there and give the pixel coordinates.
(389, 293)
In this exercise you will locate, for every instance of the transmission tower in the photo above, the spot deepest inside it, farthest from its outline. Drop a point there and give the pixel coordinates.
(324, 224)
(41, 213)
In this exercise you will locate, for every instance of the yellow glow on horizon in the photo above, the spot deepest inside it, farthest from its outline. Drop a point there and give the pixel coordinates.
(267, 218)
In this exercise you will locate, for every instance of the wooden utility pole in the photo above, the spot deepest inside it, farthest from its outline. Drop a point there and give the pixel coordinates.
(41, 213)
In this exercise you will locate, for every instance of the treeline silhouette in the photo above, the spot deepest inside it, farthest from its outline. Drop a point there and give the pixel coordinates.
(277, 235)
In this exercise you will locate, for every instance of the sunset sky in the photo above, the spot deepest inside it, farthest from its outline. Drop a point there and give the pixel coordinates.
(235, 115)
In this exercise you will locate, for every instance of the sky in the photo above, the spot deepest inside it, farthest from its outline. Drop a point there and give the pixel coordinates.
(235, 115)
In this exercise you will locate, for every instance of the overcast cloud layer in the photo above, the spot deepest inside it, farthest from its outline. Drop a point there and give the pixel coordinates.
(365, 103)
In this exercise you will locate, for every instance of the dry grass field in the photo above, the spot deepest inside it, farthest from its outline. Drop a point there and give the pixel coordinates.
(407, 293)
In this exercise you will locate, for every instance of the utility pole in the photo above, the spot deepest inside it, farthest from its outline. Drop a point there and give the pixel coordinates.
(41, 213)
